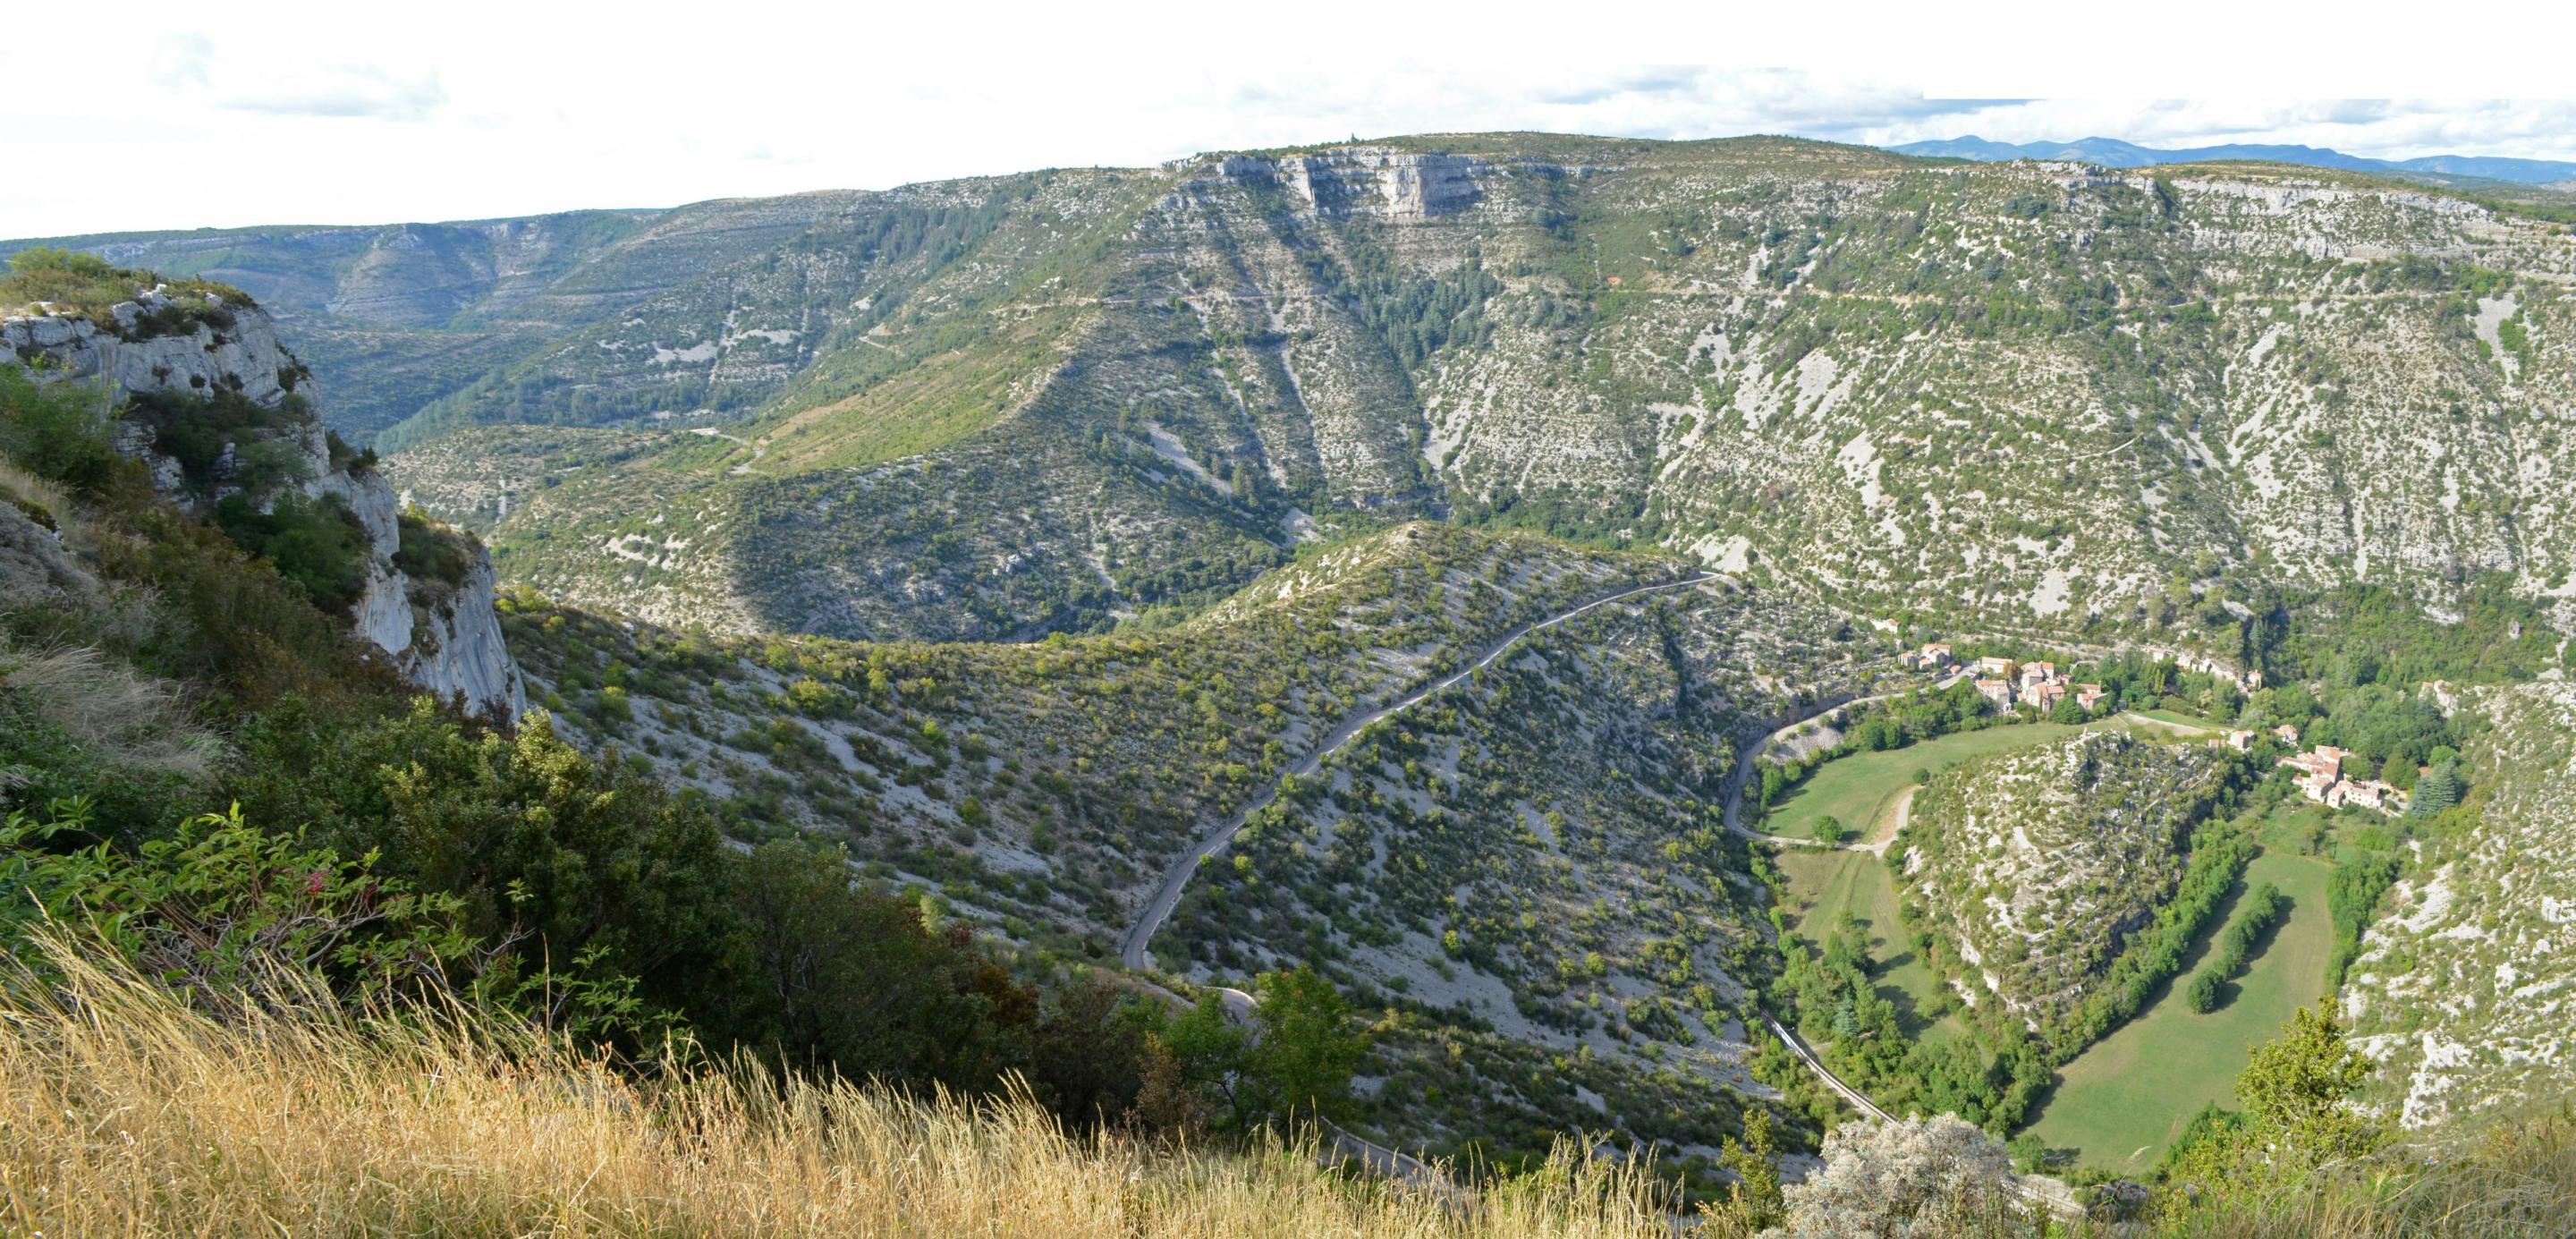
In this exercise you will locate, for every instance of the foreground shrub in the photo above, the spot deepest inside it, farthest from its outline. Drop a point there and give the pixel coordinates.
(1914, 1177)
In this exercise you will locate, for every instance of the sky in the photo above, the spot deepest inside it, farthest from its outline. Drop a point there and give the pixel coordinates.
(142, 114)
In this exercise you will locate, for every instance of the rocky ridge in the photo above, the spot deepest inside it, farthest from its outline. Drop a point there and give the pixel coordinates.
(2025, 395)
(442, 635)
(2035, 867)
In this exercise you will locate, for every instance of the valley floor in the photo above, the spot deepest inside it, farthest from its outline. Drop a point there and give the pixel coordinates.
(1826, 885)
(2123, 1101)
(2119, 1104)
(1862, 790)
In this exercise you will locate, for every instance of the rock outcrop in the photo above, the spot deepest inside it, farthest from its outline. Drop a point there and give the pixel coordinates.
(1369, 180)
(443, 635)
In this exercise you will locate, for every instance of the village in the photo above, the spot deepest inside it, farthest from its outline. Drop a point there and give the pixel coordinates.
(2007, 685)
(2321, 774)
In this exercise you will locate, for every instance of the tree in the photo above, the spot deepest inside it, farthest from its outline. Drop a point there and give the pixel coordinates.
(1208, 1053)
(1166, 1104)
(2436, 790)
(1306, 1051)
(2297, 1121)
(859, 980)
(1830, 829)
(1753, 1200)
(1089, 1061)
(2029, 1153)
(2296, 1087)
(2204, 991)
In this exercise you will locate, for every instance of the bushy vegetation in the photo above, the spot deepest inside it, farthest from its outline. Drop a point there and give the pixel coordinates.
(435, 556)
(2257, 913)
(2352, 899)
(222, 429)
(317, 544)
(56, 431)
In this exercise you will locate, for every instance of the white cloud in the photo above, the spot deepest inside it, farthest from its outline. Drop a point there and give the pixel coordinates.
(181, 60)
(350, 113)
(346, 91)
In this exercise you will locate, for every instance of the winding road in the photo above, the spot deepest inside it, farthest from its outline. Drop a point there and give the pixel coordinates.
(2039, 1190)
(1133, 952)
(1753, 749)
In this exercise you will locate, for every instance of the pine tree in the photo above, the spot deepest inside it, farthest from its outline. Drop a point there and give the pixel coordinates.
(1753, 1201)
(2437, 790)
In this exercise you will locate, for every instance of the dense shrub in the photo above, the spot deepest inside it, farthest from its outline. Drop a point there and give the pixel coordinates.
(2352, 899)
(194, 428)
(56, 430)
(431, 551)
(316, 543)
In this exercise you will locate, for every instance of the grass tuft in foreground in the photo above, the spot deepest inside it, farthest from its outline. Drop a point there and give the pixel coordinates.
(124, 1111)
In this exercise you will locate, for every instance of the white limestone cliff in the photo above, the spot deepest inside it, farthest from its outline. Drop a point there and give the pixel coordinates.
(1369, 180)
(446, 640)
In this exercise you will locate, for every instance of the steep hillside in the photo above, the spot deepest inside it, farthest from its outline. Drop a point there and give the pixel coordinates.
(1043, 789)
(2036, 868)
(2462, 986)
(1052, 781)
(1533, 869)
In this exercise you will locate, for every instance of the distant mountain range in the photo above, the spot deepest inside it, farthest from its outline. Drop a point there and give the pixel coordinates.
(2112, 152)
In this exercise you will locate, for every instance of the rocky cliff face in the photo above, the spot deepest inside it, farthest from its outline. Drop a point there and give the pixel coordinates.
(443, 635)
(1368, 180)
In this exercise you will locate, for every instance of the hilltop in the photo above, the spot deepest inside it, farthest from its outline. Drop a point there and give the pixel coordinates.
(2114, 153)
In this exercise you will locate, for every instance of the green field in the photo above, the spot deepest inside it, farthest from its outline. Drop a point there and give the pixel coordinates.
(1822, 886)
(1858, 789)
(2121, 1101)
(2181, 719)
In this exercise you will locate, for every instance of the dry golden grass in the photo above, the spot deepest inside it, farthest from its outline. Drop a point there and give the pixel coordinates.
(130, 719)
(123, 1113)
(17, 482)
